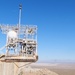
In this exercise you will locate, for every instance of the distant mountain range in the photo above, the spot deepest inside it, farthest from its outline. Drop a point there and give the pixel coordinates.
(57, 61)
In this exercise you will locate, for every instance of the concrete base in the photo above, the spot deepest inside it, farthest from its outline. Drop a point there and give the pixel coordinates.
(11, 68)
(8, 69)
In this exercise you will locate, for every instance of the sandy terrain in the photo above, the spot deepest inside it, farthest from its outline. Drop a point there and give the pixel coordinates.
(64, 71)
(59, 68)
(38, 71)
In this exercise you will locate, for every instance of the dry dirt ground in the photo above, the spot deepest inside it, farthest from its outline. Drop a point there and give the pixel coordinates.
(37, 71)
(60, 69)
(64, 71)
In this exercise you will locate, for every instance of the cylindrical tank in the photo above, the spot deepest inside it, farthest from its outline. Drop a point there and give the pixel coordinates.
(12, 37)
(12, 34)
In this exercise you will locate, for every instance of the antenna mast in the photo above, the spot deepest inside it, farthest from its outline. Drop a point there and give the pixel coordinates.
(20, 10)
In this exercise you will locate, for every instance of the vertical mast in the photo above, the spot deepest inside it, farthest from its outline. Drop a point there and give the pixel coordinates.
(20, 9)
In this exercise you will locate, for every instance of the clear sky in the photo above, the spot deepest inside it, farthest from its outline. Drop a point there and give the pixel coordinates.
(56, 25)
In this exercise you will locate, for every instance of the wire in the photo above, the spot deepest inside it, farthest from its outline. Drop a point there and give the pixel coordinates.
(2, 48)
(22, 65)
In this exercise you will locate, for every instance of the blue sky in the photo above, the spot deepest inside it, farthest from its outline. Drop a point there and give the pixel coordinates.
(56, 25)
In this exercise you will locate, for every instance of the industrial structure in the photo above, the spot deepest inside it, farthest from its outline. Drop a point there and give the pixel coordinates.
(21, 42)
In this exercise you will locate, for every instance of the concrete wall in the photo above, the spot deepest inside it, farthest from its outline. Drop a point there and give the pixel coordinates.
(8, 69)
(11, 68)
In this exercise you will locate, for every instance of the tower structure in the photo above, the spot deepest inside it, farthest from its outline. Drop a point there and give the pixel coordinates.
(21, 44)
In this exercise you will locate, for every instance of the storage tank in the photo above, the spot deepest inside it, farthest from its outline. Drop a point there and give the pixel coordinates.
(12, 34)
(12, 37)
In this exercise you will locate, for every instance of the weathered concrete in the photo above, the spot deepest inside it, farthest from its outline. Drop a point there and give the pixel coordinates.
(6, 69)
(10, 68)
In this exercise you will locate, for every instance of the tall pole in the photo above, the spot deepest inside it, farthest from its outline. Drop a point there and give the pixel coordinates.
(20, 9)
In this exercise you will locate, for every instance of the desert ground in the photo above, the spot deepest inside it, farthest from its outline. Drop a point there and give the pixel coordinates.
(59, 68)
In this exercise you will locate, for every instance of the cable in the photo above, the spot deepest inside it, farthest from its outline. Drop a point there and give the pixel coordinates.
(2, 48)
(22, 65)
